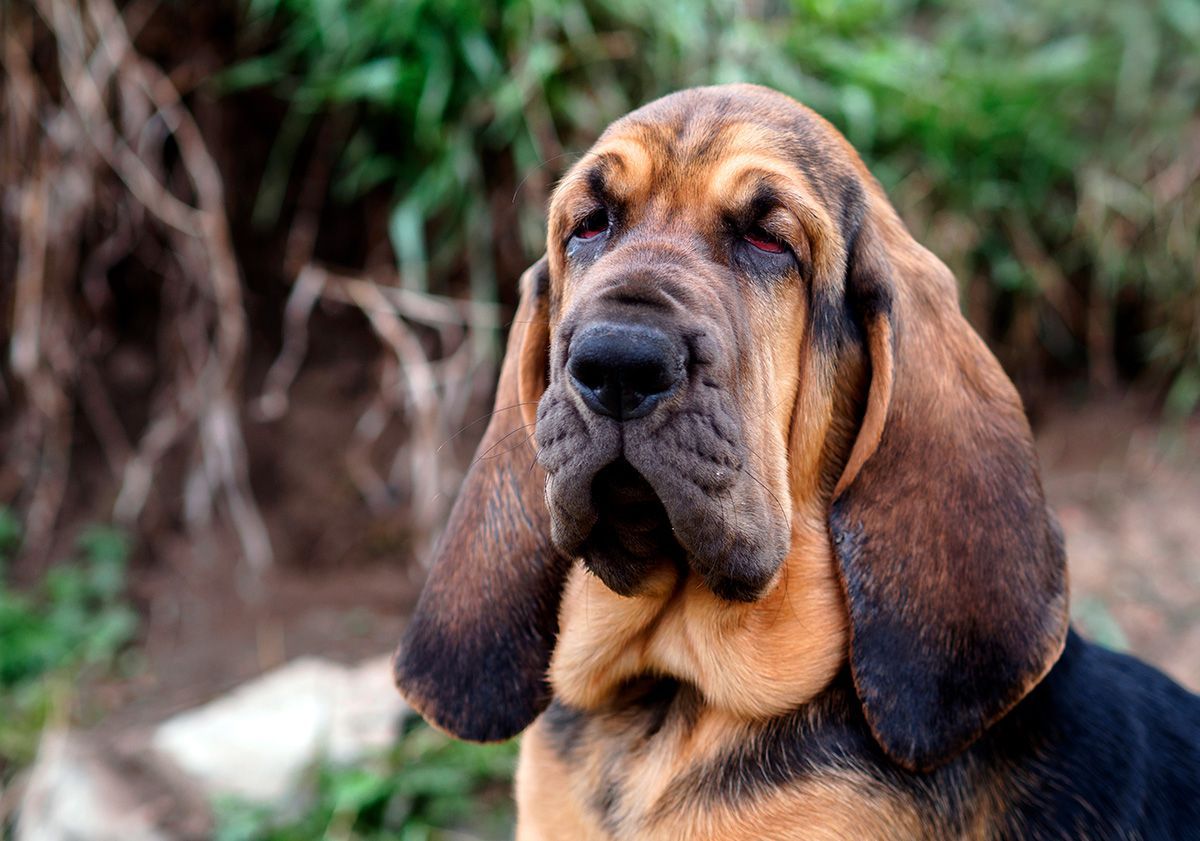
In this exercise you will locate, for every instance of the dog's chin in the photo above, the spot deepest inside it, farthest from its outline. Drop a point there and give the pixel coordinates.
(632, 537)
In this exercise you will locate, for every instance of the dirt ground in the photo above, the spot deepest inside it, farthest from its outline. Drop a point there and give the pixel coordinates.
(1127, 493)
(1125, 488)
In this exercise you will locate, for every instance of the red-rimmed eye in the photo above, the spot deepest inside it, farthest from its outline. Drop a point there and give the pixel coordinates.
(763, 241)
(595, 224)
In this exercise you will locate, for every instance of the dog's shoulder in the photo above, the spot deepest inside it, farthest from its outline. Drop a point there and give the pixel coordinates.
(1106, 747)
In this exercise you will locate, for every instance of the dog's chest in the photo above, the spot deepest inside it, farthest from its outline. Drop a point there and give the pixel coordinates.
(666, 768)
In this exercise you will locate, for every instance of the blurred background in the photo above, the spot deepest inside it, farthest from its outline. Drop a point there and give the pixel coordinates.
(257, 258)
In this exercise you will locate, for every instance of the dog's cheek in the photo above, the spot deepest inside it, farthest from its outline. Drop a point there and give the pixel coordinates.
(571, 454)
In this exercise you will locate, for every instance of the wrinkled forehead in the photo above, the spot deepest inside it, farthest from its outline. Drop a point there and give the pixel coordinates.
(710, 161)
(718, 151)
(700, 128)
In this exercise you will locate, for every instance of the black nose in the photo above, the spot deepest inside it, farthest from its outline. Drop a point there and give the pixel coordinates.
(623, 370)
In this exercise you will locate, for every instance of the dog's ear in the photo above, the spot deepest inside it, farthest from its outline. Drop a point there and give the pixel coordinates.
(953, 568)
(474, 656)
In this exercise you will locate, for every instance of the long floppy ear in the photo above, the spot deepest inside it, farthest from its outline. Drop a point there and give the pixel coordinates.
(954, 569)
(474, 656)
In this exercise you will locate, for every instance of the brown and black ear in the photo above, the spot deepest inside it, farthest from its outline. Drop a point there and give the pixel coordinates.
(474, 656)
(953, 568)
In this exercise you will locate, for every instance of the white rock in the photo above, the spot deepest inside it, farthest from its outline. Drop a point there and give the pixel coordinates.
(367, 712)
(257, 742)
(84, 786)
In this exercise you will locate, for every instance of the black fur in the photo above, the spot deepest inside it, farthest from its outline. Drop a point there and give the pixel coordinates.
(1113, 746)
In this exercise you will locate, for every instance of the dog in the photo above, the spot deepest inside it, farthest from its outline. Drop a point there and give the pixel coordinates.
(775, 561)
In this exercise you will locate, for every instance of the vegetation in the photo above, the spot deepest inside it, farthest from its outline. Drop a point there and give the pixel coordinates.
(429, 788)
(72, 626)
(1047, 151)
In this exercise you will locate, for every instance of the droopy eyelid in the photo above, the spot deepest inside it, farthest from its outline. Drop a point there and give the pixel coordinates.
(779, 223)
(579, 215)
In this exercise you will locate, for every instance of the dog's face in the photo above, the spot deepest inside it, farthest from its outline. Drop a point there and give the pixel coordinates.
(737, 360)
(680, 267)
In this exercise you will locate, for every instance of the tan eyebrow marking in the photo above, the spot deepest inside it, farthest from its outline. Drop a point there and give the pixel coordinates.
(730, 176)
(630, 165)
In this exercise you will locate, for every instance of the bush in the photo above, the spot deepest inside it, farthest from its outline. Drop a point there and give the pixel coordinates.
(429, 787)
(75, 623)
(1044, 150)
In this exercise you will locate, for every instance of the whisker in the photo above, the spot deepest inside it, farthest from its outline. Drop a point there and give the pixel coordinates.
(485, 454)
(540, 166)
(484, 417)
(746, 469)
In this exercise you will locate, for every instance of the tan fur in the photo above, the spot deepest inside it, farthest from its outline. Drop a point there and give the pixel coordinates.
(871, 431)
(548, 806)
(750, 660)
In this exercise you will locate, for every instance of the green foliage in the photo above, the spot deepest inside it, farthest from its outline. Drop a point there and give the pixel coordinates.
(1039, 147)
(75, 622)
(429, 787)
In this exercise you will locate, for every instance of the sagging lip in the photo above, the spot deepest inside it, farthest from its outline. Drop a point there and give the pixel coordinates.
(632, 536)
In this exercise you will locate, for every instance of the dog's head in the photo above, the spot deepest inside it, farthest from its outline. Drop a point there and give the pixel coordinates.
(731, 329)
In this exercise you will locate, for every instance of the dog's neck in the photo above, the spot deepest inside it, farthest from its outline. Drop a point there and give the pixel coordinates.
(750, 660)
(659, 760)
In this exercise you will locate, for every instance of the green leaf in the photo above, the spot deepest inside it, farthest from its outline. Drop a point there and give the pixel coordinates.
(375, 80)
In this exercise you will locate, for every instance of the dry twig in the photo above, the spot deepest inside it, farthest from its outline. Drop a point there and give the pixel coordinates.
(102, 161)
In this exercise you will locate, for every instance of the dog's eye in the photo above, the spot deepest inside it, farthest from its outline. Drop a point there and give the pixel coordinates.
(593, 225)
(764, 241)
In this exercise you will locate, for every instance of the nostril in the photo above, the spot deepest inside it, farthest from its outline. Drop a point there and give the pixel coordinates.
(587, 371)
(622, 371)
(648, 377)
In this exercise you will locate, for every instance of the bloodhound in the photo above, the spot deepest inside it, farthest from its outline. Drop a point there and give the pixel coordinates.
(775, 562)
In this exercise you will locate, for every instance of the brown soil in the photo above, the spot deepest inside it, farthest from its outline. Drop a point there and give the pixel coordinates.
(1127, 492)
